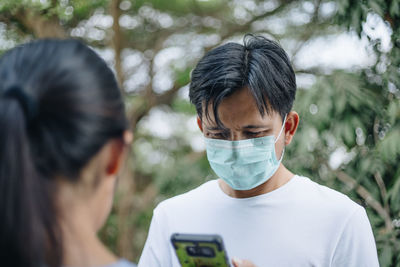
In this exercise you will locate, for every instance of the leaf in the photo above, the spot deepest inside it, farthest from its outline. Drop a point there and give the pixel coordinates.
(394, 111)
(394, 9)
(376, 7)
(355, 19)
(183, 106)
(385, 259)
(389, 147)
(394, 193)
(182, 77)
(348, 134)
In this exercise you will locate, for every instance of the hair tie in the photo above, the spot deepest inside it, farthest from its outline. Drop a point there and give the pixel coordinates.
(28, 104)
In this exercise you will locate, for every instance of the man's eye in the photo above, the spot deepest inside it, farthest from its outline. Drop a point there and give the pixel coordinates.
(254, 133)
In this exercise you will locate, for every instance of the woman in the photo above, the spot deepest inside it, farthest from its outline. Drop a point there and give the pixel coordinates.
(63, 133)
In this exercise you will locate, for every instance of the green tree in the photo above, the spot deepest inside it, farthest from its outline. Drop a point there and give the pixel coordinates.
(152, 46)
(377, 150)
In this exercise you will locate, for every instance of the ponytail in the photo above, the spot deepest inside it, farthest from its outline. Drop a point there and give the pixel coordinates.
(27, 215)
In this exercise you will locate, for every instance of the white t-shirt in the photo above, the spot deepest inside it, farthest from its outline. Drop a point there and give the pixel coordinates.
(299, 224)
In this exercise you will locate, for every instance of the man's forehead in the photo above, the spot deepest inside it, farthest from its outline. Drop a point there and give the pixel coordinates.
(210, 122)
(208, 114)
(242, 98)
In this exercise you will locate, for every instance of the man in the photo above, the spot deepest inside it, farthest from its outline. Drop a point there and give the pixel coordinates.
(244, 96)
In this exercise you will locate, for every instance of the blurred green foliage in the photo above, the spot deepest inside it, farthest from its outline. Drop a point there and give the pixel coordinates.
(349, 134)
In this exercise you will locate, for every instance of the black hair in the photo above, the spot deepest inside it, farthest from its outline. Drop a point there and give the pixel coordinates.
(59, 105)
(260, 65)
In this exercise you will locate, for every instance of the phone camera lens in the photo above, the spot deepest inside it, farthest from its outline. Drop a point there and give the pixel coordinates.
(207, 252)
(192, 251)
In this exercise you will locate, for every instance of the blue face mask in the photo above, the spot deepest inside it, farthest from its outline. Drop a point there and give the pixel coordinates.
(244, 164)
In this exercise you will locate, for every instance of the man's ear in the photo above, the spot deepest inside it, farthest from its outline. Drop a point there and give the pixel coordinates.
(199, 123)
(291, 124)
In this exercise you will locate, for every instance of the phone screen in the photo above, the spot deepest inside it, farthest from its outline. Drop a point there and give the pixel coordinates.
(199, 250)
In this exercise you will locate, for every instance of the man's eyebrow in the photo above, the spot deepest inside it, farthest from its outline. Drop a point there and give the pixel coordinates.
(216, 128)
(256, 127)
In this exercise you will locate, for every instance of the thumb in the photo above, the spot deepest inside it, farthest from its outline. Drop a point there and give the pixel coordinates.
(242, 263)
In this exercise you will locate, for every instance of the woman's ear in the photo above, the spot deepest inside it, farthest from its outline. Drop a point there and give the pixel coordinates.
(291, 124)
(115, 157)
(116, 152)
(199, 123)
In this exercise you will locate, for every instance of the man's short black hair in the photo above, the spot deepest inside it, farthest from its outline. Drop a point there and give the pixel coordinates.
(260, 65)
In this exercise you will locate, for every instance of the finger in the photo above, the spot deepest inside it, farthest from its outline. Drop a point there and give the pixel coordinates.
(242, 263)
(236, 262)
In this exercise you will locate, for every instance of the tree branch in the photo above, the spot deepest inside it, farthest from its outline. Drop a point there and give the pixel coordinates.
(247, 26)
(382, 188)
(308, 34)
(151, 99)
(367, 196)
(155, 100)
(117, 42)
(39, 26)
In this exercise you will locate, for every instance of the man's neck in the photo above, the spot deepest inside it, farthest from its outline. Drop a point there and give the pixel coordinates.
(280, 178)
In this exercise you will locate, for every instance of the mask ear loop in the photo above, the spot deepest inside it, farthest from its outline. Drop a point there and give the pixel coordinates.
(280, 132)
(279, 135)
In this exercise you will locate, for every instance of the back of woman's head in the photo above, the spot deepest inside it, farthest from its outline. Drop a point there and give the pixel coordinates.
(59, 105)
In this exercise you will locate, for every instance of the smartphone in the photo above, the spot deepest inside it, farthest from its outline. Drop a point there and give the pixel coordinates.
(198, 250)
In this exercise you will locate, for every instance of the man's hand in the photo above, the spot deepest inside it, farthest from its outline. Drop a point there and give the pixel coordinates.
(242, 263)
